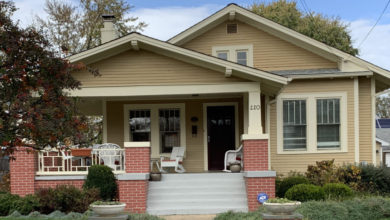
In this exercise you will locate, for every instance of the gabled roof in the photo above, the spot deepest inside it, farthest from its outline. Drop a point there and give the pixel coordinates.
(233, 11)
(136, 41)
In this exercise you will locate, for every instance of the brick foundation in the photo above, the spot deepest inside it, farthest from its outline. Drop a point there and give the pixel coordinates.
(256, 185)
(134, 194)
(22, 171)
(256, 159)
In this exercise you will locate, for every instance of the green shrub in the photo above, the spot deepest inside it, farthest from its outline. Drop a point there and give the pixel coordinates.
(350, 175)
(323, 172)
(10, 203)
(6, 203)
(375, 179)
(337, 191)
(373, 208)
(305, 192)
(144, 217)
(66, 198)
(102, 178)
(238, 216)
(26, 205)
(289, 182)
(324, 210)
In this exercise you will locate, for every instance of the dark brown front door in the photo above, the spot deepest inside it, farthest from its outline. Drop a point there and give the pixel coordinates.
(220, 134)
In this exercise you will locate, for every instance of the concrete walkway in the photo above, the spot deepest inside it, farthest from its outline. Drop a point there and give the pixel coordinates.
(188, 217)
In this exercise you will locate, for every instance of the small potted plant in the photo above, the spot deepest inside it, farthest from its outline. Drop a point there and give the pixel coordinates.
(281, 206)
(155, 174)
(235, 167)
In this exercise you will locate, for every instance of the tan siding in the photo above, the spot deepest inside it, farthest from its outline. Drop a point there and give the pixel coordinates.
(194, 161)
(299, 162)
(270, 52)
(365, 119)
(147, 68)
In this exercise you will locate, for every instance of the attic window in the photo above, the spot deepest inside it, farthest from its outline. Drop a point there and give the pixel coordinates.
(231, 28)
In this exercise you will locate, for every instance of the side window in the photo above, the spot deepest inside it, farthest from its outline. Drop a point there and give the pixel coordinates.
(294, 124)
(328, 123)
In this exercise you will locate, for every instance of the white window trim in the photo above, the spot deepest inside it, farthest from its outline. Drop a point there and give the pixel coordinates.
(154, 124)
(232, 52)
(311, 121)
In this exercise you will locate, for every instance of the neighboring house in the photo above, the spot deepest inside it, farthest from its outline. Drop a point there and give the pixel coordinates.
(383, 139)
(233, 79)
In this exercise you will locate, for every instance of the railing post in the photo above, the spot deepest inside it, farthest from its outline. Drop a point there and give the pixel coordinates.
(22, 171)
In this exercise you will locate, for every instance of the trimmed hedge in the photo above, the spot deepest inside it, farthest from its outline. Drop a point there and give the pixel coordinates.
(286, 183)
(102, 178)
(305, 192)
(337, 191)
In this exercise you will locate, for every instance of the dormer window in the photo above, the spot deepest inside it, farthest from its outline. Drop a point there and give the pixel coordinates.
(241, 54)
(223, 55)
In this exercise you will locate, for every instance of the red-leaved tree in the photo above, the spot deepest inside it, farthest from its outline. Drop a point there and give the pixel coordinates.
(34, 109)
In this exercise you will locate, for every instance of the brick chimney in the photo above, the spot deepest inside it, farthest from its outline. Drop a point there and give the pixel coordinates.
(108, 32)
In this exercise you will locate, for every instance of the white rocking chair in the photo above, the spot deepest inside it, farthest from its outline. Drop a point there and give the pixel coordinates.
(175, 160)
(108, 154)
(231, 157)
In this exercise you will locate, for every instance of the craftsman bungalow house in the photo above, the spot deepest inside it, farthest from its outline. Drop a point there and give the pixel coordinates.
(235, 78)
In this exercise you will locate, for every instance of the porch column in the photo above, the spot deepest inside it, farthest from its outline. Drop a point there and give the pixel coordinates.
(22, 171)
(258, 177)
(133, 185)
(254, 113)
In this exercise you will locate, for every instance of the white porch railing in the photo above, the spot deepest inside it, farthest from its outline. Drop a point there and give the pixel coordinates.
(55, 162)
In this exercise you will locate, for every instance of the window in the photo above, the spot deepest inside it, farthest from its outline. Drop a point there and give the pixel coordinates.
(223, 55)
(139, 121)
(312, 123)
(242, 54)
(169, 129)
(294, 124)
(328, 123)
(242, 57)
(163, 125)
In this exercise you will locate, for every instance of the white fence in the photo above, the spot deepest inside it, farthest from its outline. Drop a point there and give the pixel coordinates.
(56, 162)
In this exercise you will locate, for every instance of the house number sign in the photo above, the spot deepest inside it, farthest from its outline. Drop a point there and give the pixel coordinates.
(254, 107)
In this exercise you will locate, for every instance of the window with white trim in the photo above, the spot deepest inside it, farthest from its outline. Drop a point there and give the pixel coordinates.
(241, 54)
(294, 124)
(328, 123)
(163, 125)
(169, 121)
(312, 123)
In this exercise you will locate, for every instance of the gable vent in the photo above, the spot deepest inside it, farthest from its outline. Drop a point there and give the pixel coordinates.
(231, 28)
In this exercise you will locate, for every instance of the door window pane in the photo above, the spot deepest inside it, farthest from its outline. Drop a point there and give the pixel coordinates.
(169, 120)
(222, 55)
(294, 124)
(242, 57)
(139, 121)
(328, 123)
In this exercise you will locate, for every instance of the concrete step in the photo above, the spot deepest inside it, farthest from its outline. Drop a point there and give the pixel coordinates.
(196, 210)
(196, 202)
(196, 196)
(203, 193)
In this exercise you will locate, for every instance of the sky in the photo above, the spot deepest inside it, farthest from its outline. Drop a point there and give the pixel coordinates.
(166, 18)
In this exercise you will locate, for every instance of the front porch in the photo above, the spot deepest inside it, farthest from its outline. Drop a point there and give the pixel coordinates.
(207, 120)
